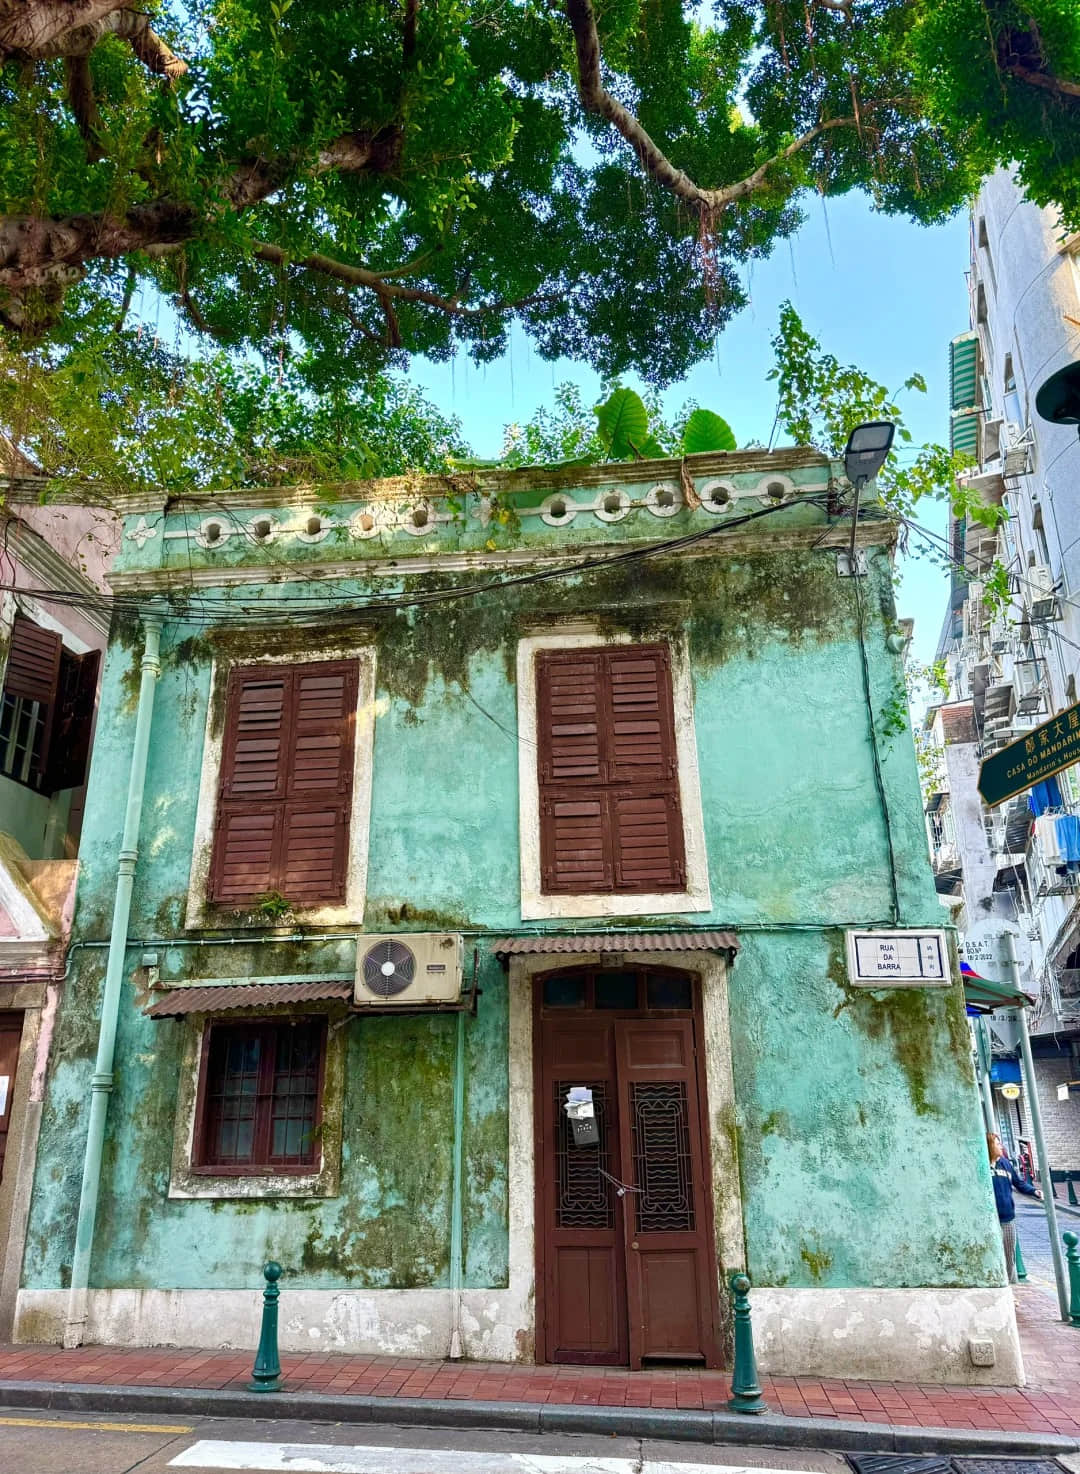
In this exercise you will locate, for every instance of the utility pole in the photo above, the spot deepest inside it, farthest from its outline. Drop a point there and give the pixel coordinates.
(1037, 1132)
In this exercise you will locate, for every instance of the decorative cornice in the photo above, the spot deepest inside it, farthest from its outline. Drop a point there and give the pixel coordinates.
(874, 533)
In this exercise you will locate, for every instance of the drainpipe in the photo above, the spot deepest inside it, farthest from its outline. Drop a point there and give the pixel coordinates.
(101, 1083)
(1032, 1092)
(457, 1235)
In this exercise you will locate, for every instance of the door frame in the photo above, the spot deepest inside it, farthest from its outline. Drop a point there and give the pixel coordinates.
(723, 1210)
(30, 999)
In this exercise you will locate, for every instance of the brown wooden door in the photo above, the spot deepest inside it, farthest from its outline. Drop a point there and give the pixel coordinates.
(626, 1261)
(10, 1034)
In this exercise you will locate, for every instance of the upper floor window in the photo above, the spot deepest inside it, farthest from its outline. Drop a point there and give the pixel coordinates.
(285, 785)
(610, 813)
(46, 709)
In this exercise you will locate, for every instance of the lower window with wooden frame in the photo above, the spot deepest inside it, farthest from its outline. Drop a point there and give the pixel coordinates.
(260, 1110)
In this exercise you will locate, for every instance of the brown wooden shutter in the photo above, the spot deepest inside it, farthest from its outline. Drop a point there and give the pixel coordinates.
(33, 665)
(73, 720)
(33, 673)
(647, 838)
(286, 783)
(610, 817)
(316, 823)
(640, 720)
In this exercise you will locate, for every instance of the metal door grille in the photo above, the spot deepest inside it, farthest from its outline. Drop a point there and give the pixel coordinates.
(584, 1197)
(664, 1200)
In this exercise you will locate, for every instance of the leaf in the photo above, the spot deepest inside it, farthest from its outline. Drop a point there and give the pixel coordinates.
(622, 419)
(707, 431)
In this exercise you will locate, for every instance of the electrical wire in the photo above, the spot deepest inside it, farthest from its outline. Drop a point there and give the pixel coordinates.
(224, 611)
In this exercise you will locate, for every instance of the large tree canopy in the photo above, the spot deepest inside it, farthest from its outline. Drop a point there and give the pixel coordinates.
(353, 180)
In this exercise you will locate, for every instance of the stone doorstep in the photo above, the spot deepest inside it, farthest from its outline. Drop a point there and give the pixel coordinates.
(641, 1422)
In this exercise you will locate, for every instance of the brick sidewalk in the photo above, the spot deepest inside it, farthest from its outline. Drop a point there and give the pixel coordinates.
(1050, 1403)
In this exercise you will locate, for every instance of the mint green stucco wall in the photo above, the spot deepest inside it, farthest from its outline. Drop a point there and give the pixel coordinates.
(844, 1099)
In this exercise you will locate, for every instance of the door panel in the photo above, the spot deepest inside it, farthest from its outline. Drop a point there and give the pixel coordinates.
(10, 1034)
(584, 1275)
(631, 1275)
(670, 1260)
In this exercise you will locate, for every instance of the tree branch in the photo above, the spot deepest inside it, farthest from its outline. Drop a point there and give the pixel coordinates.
(32, 35)
(595, 98)
(1040, 79)
(386, 290)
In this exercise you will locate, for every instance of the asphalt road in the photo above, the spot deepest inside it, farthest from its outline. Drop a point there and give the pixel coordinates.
(34, 1442)
(1034, 1236)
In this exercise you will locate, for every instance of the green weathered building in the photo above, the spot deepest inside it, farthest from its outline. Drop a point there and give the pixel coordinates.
(608, 735)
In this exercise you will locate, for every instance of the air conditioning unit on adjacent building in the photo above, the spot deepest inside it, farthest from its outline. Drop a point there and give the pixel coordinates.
(1039, 588)
(1015, 442)
(408, 970)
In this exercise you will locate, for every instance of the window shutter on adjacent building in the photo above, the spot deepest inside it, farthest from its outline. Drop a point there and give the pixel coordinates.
(33, 664)
(286, 783)
(73, 720)
(33, 674)
(610, 818)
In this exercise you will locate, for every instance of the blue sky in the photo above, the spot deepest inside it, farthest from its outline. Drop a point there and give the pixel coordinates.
(879, 292)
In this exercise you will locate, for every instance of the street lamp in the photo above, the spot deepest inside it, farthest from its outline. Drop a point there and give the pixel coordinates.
(866, 452)
(1058, 399)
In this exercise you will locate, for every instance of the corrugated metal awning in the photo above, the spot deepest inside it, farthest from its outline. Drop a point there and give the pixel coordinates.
(618, 941)
(217, 999)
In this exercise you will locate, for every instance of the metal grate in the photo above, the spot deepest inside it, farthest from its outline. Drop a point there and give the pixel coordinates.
(584, 1194)
(662, 1170)
(942, 1464)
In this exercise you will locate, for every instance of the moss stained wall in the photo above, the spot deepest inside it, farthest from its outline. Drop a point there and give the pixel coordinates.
(840, 1096)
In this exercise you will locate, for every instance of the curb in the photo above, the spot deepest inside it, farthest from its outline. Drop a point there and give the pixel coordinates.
(690, 1426)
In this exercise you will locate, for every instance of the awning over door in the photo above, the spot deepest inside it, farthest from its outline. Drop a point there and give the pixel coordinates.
(982, 996)
(584, 943)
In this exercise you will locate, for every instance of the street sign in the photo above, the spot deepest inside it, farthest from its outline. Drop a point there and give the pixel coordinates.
(1041, 754)
(898, 959)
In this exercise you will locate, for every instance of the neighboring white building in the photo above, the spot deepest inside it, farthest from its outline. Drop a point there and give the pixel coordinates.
(1010, 668)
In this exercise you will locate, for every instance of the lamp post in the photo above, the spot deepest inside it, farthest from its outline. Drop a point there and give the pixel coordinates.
(866, 452)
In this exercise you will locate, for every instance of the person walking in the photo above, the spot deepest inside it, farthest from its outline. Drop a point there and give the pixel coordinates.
(1005, 1177)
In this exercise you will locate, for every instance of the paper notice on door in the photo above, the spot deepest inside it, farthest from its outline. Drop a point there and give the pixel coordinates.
(5, 1080)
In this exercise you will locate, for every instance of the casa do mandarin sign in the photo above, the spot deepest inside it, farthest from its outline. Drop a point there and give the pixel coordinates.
(1041, 754)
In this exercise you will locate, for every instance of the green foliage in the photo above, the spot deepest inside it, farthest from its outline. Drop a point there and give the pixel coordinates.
(622, 427)
(706, 431)
(274, 906)
(441, 153)
(623, 424)
(820, 401)
(124, 412)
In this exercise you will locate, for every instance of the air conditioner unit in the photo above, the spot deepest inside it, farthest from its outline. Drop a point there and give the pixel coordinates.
(1039, 587)
(1015, 449)
(406, 970)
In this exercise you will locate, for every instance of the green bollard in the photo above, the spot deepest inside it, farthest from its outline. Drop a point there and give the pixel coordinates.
(1072, 1193)
(266, 1373)
(1021, 1267)
(1072, 1254)
(745, 1391)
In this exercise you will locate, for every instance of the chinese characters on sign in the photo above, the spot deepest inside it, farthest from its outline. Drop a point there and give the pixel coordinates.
(889, 959)
(1041, 754)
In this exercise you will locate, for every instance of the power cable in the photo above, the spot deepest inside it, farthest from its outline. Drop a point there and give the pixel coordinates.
(224, 611)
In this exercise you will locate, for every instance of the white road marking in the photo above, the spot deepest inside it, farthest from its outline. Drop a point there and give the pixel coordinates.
(332, 1458)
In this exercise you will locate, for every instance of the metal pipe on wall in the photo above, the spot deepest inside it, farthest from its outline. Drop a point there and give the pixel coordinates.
(457, 1204)
(101, 1083)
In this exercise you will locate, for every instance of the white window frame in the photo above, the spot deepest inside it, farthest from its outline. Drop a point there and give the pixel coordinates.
(535, 905)
(201, 911)
(324, 1179)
